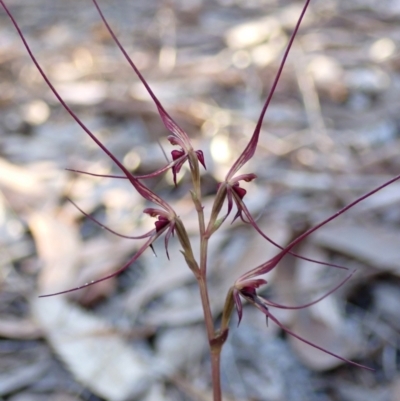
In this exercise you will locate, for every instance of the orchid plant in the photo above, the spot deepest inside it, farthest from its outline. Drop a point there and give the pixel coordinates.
(229, 194)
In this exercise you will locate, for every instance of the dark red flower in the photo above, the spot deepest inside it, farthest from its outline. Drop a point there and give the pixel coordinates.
(247, 289)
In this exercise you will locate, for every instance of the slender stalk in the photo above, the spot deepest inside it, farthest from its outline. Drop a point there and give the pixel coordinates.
(216, 373)
(205, 302)
(213, 336)
(215, 346)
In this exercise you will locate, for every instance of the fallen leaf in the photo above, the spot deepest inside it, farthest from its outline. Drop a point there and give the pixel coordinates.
(105, 364)
(376, 246)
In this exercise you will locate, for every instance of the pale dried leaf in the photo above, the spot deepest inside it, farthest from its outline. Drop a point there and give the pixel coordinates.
(163, 276)
(20, 179)
(19, 328)
(376, 246)
(179, 348)
(105, 364)
(58, 246)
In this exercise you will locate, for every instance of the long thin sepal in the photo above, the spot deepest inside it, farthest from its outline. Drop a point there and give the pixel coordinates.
(290, 332)
(270, 264)
(147, 235)
(138, 177)
(124, 267)
(258, 229)
(168, 121)
(276, 305)
(249, 150)
(143, 191)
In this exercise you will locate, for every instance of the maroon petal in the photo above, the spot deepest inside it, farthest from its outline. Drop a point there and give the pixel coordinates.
(143, 191)
(250, 285)
(176, 154)
(167, 238)
(243, 177)
(200, 158)
(248, 152)
(276, 321)
(138, 177)
(169, 123)
(269, 265)
(242, 206)
(123, 177)
(124, 267)
(230, 200)
(149, 234)
(161, 223)
(274, 304)
(177, 168)
(241, 192)
(239, 306)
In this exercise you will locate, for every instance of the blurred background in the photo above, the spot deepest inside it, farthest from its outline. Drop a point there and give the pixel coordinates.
(330, 135)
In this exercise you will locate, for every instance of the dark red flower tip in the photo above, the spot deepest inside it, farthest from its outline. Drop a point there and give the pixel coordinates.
(176, 154)
(243, 177)
(180, 156)
(241, 192)
(200, 158)
(161, 223)
(251, 147)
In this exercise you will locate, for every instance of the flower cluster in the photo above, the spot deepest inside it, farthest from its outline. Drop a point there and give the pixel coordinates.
(229, 193)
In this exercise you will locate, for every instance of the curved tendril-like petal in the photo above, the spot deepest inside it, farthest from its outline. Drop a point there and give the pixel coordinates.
(149, 234)
(139, 177)
(167, 238)
(265, 267)
(275, 305)
(290, 332)
(301, 237)
(250, 149)
(123, 177)
(168, 121)
(270, 264)
(176, 168)
(251, 221)
(143, 191)
(230, 202)
(124, 267)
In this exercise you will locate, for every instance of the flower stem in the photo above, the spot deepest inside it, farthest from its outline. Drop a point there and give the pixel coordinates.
(216, 373)
(201, 275)
(213, 337)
